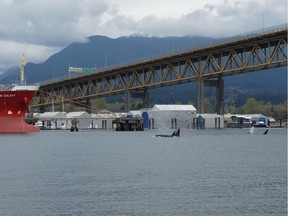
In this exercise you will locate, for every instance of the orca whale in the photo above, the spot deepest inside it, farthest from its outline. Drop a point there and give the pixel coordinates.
(266, 132)
(174, 134)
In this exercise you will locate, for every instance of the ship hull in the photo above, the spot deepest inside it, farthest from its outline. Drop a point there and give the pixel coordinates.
(13, 106)
(16, 125)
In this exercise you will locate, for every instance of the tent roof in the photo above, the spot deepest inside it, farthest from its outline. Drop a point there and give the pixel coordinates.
(102, 115)
(174, 107)
(209, 115)
(52, 115)
(82, 114)
(135, 113)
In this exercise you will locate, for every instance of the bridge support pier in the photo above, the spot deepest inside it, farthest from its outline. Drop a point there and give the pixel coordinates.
(219, 84)
(88, 106)
(200, 95)
(127, 100)
(143, 95)
(70, 106)
(220, 96)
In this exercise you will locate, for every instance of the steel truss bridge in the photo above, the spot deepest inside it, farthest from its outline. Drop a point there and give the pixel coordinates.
(206, 66)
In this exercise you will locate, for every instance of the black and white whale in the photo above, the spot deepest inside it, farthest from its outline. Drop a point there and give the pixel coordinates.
(174, 134)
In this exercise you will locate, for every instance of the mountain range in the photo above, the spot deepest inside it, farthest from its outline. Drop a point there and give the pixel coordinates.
(101, 52)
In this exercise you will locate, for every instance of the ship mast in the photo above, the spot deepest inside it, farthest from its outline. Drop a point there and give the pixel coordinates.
(22, 64)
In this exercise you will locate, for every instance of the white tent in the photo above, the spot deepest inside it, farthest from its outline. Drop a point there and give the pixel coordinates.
(51, 120)
(102, 120)
(170, 116)
(83, 119)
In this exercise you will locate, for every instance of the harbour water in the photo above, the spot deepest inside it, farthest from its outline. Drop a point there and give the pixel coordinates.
(203, 172)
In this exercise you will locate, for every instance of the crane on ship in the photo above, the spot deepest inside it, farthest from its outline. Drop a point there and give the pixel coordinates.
(22, 64)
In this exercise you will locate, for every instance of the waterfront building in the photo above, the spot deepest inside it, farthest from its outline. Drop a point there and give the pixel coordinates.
(208, 121)
(169, 116)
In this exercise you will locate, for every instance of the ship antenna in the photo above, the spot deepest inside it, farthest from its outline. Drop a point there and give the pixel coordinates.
(22, 64)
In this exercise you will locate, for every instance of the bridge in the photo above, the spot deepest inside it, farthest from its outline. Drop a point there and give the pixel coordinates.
(207, 66)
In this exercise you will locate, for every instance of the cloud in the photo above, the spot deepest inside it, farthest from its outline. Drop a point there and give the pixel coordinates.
(47, 26)
(213, 19)
(11, 51)
(50, 23)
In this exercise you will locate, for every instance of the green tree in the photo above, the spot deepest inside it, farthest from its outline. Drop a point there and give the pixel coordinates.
(101, 103)
(251, 106)
(115, 106)
(208, 108)
(280, 110)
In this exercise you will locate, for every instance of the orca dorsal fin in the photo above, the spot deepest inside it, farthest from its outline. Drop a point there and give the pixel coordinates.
(177, 133)
(266, 132)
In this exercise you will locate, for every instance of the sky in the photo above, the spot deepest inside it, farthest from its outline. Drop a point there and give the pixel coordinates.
(41, 28)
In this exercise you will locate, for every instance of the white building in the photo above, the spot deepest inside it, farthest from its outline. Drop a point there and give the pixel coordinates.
(102, 120)
(169, 116)
(83, 119)
(51, 120)
(208, 121)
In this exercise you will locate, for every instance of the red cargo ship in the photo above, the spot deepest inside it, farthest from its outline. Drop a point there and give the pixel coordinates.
(14, 101)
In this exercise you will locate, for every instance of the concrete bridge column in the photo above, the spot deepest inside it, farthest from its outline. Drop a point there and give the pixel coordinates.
(200, 95)
(219, 84)
(127, 100)
(69, 105)
(63, 105)
(146, 102)
(143, 95)
(88, 106)
(220, 96)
